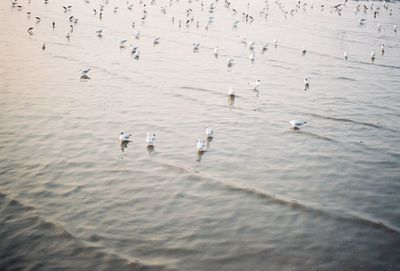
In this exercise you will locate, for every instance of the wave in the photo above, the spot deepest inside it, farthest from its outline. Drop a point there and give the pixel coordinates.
(30, 242)
(290, 203)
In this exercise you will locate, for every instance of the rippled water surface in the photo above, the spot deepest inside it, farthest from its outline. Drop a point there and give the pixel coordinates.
(263, 197)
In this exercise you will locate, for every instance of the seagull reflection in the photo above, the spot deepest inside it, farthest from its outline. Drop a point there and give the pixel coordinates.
(124, 145)
(199, 156)
(150, 149)
(231, 100)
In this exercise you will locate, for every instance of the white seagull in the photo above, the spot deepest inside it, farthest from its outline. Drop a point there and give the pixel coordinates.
(150, 139)
(201, 146)
(297, 123)
(156, 40)
(255, 84)
(231, 61)
(124, 137)
(196, 46)
(209, 132)
(372, 56)
(216, 49)
(306, 84)
(84, 73)
(346, 55)
(99, 33)
(231, 92)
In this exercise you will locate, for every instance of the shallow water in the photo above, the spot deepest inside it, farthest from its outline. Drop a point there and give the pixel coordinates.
(264, 197)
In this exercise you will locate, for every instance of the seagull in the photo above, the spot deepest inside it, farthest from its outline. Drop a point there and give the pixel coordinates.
(251, 45)
(231, 92)
(297, 123)
(379, 27)
(346, 55)
(201, 146)
(135, 52)
(276, 43)
(264, 48)
(372, 56)
(99, 33)
(156, 40)
(209, 132)
(137, 35)
(231, 61)
(38, 19)
(43, 46)
(306, 84)
(395, 28)
(122, 43)
(84, 73)
(67, 34)
(383, 49)
(196, 47)
(124, 137)
(216, 49)
(150, 139)
(30, 31)
(304, 51)
(362, 21)
(255, 84)
(252, 56)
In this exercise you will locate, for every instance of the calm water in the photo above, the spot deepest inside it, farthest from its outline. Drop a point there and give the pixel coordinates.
(264, 197)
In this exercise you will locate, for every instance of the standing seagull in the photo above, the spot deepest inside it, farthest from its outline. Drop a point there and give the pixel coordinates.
(255, 84)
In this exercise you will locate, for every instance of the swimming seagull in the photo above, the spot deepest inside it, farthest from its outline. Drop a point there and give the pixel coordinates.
(135, 53)
(372, 56)
(156, 40)
(209, 132)
(346, 55)
(196, 47)
(99, 33)
(264, 48)
(304, 51)
(150, 139)
(306, 84)
(252, 57)
(297, 123)
(30, 31)
(395, 28)
(43, 46)
(84, 73)
(216, 49)
(201, 146)
(124, 137)
(231, 61)
(231, 92)
(122, 43)
(383, 49)
(255, 84)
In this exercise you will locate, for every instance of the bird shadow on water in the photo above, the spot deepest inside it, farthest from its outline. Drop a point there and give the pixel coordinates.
(231, 100)
(124, 145)
(200, 155)
(150, 149)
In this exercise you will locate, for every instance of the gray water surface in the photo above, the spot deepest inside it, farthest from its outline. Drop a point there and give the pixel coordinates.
(263, 197)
